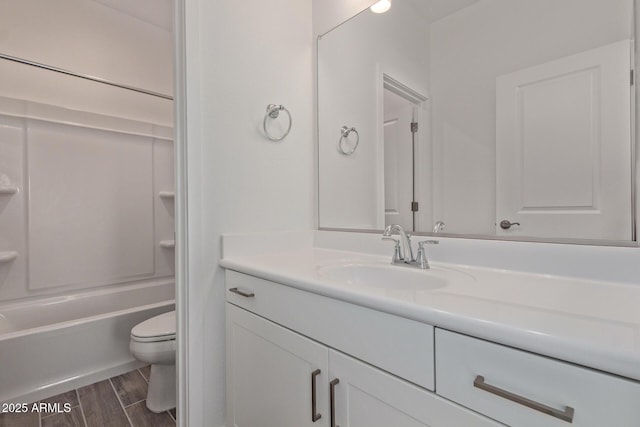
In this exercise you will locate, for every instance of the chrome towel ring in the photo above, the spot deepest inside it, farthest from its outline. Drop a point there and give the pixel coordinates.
(273, 112)
(345, 131)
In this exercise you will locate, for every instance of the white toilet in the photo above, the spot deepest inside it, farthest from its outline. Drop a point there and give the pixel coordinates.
(154, 341)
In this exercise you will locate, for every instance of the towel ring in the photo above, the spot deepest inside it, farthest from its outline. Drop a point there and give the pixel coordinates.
(345, 131)
(273, 111)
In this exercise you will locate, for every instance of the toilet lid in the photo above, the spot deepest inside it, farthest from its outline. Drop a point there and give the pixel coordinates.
(161, 327)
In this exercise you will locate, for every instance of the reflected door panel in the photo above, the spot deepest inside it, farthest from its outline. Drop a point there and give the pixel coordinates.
(563, 144)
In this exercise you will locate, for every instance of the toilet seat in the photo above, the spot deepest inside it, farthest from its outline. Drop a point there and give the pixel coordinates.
(154, 352)
(158, 328)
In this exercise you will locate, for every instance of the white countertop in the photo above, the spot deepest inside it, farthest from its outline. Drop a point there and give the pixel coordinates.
(590, 323)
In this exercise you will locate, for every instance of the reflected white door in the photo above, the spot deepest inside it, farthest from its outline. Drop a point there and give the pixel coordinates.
(398, 160)
(563, 147)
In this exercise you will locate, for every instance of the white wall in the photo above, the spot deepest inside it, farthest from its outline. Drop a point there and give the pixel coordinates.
(87, 37)
(469, 49)
(35, 84)
(240, 56)
(351, 61)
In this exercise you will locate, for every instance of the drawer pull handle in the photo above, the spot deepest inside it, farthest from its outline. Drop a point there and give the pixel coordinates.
(332, 400)
(314, 415)
(242, 293)
(566, 415)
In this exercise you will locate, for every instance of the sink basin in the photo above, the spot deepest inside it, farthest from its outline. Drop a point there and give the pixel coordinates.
(392, 277)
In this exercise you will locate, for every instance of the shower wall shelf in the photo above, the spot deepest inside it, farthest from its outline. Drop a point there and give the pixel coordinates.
(7, 256)
(168, 244)
(167, 194)
(8, 190)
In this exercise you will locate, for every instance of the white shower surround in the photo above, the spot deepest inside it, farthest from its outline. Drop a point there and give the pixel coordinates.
(90, 206)
(84, 243)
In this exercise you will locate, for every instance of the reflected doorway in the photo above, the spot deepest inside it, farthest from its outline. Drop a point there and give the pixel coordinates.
(403, 146)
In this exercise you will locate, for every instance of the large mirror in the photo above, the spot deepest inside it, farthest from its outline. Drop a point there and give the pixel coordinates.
(488, 118)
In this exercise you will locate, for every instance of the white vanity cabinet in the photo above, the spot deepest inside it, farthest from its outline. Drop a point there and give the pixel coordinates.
(286, 320)
(271, 367)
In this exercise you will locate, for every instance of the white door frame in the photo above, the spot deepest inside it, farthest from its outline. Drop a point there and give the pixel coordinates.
(181, 214)
(422, 177)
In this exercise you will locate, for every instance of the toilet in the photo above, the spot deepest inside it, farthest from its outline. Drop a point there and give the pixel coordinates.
(154, 342)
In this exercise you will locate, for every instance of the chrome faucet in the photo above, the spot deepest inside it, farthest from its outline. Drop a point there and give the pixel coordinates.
(403, 252)
(405, 241)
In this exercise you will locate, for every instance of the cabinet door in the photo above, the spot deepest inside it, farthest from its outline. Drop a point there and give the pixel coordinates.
(269, 374)
(368, 397)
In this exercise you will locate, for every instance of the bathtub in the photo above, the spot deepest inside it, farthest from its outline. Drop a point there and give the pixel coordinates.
(49, 346)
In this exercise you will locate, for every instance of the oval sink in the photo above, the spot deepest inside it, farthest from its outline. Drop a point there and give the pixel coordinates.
(385, 276)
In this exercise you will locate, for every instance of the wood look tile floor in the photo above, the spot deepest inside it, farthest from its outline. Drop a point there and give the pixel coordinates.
(116, 402)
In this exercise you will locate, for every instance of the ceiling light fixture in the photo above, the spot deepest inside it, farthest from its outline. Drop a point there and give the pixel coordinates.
(381, 7)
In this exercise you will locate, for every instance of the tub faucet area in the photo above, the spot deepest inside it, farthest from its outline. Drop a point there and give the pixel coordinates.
(403, 251)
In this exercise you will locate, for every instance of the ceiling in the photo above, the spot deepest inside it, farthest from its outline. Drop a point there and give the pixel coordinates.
(156, 12)
(438, 9)
(160, 12)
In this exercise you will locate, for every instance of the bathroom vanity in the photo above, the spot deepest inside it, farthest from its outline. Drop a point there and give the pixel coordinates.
(481, 119)
(325, 337)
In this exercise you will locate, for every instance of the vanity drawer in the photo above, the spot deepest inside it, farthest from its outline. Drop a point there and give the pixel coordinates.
(400, 346)
(523, 389)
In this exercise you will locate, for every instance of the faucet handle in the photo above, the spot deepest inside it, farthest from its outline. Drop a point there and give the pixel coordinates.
(397, 256)
(422, 253)
(427, 242)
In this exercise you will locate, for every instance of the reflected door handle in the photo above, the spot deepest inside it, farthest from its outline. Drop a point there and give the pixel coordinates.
(505, 224)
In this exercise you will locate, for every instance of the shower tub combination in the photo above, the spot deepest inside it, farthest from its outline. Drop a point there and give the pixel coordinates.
(86, 202)
(53, 345)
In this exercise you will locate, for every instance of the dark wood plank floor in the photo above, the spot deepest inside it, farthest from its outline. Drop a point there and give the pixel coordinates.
(116, 402)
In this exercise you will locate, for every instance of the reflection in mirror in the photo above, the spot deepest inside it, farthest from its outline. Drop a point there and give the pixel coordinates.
(507, 118)
(401, 117)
